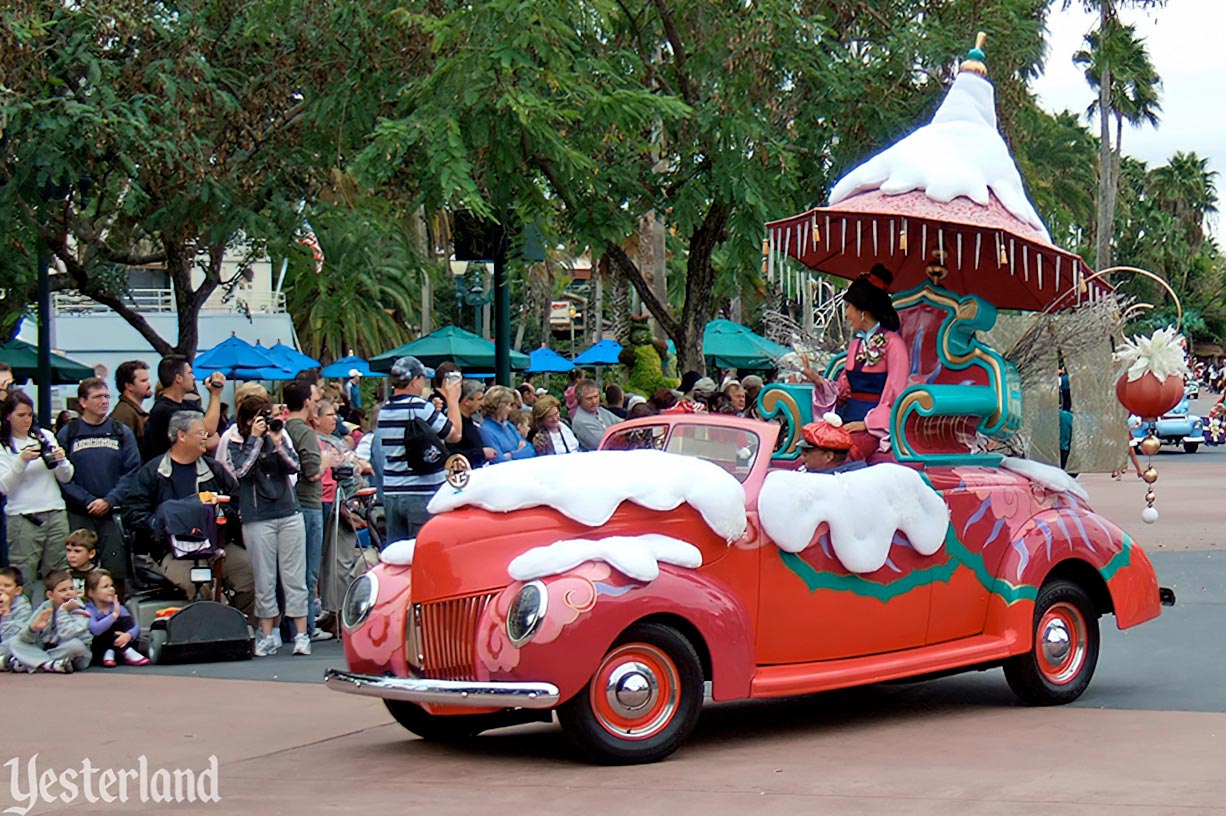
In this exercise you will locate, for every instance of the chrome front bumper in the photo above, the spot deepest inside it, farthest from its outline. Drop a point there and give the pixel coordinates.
(444, 692)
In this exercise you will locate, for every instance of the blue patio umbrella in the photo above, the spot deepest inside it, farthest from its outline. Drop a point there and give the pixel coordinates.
(601, 354)
(239, 360)
(547, 361)
(730, 345)
(291, 358)
(341, 368)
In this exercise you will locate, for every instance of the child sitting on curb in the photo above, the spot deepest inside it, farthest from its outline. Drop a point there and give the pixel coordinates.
(113, 629)
(80, 548)
(57, 638)
(14, 611)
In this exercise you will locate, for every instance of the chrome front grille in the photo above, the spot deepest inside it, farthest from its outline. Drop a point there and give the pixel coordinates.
(442, 637)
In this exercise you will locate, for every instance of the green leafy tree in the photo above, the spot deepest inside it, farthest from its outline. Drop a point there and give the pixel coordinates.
(139, 133)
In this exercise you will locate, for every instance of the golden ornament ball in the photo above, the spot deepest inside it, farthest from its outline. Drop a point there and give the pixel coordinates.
(1150, 475)
(1150, 445)
(1150, 497)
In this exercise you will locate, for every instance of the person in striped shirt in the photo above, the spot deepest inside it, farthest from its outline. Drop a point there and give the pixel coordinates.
(409, 481)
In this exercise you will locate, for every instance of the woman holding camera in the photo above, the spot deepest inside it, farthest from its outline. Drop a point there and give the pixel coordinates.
(31, 464)
(262, 459)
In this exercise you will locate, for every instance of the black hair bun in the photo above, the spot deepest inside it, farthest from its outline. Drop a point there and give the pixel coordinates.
(884, 274)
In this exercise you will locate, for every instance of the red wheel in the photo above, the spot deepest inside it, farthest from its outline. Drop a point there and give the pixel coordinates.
(1061, 662)
(635, 691)
(1060, 648)
(642, 701)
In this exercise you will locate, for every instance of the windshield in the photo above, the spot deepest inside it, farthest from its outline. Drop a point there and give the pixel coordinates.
(732, 449)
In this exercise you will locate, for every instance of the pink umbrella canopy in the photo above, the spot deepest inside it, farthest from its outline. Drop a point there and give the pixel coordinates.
(948, 195)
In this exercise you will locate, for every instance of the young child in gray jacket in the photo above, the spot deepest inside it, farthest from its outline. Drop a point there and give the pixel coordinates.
(14, 611)
(57, 637)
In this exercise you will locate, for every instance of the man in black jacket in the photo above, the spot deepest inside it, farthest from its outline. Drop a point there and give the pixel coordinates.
(180, 473)
(104, 455)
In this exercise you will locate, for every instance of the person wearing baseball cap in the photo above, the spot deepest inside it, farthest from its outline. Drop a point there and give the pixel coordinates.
(410, 477)
(825, 445)
(353, 388)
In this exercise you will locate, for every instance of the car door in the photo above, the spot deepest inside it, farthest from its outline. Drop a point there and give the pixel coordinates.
(813, 608)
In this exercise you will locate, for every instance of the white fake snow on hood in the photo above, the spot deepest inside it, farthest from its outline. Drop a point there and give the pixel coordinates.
(959, 153)
(636, 557)
(863, 508)
(1052, 478)
(399, 553)
(588, 487)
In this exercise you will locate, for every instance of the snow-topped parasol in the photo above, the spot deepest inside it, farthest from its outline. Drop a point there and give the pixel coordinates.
(945, 201)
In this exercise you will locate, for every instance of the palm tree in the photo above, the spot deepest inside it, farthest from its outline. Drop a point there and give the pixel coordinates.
(1117, 64)
(366, 297)
(1186, 188)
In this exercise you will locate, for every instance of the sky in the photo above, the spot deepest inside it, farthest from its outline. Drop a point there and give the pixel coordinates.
(1186, 47)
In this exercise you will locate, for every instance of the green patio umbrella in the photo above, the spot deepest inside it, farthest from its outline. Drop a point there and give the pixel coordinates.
(730, 345)
(23, 357)
(465, 349)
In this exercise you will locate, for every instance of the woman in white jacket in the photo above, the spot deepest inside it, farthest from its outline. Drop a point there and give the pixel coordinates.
(31, 464)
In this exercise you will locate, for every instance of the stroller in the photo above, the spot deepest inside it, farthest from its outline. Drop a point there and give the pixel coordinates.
(176, 630)
(344, 559)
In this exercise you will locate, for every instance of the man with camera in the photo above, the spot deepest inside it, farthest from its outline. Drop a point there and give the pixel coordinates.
(104, 455)
(184, 471)
(411, 433)
(179, 394)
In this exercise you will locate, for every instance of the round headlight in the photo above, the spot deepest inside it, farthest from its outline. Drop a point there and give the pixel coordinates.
(527, 612)
(359, 600)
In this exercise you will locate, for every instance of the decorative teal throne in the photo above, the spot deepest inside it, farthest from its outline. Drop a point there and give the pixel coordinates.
(959, 388)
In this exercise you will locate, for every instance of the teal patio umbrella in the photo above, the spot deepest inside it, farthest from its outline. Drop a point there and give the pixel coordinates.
(730, 345)
(465, 349)
(23, 358)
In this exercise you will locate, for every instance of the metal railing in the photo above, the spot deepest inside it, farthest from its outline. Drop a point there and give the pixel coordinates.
(153, 301)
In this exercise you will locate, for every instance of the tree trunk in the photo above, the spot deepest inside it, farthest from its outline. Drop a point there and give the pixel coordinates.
(1106, 179)
(699, 289)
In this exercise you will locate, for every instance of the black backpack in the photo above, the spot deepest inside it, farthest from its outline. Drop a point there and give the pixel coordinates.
(424, 451)
(74, 430)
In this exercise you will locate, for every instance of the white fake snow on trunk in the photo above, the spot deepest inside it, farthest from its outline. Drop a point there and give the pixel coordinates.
(863, 508)
(588, 487)
(1052, 478)
(636, 557)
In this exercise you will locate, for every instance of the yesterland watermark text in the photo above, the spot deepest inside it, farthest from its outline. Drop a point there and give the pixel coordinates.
(31, 785)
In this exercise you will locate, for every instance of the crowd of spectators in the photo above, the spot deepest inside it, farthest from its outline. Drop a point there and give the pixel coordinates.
(81, 522)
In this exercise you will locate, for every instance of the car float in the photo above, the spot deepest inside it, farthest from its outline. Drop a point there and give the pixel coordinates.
(691, 556)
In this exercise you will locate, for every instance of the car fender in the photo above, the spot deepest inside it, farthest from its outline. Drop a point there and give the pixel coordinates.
(1066, 540)
(590, 605)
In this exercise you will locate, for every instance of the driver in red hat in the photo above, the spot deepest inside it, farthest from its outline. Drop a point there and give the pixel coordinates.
(825, 445)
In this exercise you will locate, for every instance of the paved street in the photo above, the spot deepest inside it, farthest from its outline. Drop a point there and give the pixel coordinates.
(1149, 737)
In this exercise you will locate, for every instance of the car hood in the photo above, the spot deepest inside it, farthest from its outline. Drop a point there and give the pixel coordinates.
(467, 551)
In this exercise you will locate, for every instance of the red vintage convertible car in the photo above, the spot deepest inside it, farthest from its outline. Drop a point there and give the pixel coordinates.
(611, 586)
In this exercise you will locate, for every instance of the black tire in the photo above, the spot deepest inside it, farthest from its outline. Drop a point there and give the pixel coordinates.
(1190, 447)
(434, 728)
(157, 639)
(1047, 677)
(600, 726)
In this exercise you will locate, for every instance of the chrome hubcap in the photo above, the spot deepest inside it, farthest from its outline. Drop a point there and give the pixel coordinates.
(1056, 642)
(631, 688)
